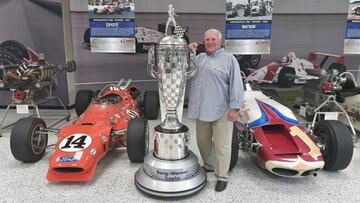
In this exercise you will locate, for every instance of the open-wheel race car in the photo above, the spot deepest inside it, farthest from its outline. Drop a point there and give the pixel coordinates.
(292, 70)
(277, 141)
(110, 119)
(110, 9)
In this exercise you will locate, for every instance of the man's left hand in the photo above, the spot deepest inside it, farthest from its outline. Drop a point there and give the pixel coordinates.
(233, 114)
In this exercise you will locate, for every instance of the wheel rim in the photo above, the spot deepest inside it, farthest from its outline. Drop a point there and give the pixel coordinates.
(38, 140)
(255, 60)
(322, 144)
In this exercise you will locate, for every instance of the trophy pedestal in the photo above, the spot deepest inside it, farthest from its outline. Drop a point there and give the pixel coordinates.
(170, 178)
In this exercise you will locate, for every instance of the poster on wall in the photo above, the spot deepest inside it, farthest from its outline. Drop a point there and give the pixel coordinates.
(248, 26)
(112, 26)
(352, 36)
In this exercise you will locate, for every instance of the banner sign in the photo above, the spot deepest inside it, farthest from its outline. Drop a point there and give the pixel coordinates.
(248, 26)
(112, 26)
(352, 36)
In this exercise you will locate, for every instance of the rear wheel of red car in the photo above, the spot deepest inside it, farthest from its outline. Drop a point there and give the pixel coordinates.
(284, 78)
(82, 100)
(151, 104)
(27, 143)
(335, 142)
(234, 148)
(137, 139)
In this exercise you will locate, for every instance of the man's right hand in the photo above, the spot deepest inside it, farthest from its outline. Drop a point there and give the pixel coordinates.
(193, 46)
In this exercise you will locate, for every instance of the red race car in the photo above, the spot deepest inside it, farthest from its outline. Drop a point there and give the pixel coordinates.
(271, 134)
(111, 119)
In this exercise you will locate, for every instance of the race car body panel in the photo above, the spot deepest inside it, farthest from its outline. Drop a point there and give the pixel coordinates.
(83, 144)
(285, 148)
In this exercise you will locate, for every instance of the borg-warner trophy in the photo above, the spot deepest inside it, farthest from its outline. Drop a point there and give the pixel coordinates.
(171, 170)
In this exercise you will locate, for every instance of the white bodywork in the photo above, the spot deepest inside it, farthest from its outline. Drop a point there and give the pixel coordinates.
(299, 65)
(255, 112)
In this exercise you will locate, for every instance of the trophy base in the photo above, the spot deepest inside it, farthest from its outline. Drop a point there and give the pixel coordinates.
(165, 178)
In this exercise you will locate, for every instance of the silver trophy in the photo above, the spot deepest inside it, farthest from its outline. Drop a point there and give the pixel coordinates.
(171, 170)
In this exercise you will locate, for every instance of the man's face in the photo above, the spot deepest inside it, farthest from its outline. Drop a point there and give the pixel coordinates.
(212, 41)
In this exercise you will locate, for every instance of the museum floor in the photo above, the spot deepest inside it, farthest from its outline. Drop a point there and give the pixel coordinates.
(114, 180)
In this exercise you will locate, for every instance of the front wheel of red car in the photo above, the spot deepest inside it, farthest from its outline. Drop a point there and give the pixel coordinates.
(234, 148)
(27, 140)
(137, 139)
(335, 142)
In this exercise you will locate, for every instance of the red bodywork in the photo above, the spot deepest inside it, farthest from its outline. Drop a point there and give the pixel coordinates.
(285, 149)
(84, 143)
(313, 58)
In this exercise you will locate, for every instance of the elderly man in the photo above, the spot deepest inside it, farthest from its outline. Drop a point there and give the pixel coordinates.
(216, 95)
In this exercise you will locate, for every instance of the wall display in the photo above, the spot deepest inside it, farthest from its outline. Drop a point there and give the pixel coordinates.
(248, 26)
(352, 36)
(109, 120)
(112, 26)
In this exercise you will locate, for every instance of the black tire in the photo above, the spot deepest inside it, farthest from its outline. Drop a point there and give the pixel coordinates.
(357, 11)
(16, 48)
(338, 145)
(283, 79)
(82, 100)
(26, 145)
(234, 148)
(137, 139)
(86, 36)
(337, 66)
(255, 60)
(151, 104)
(95, 11)
(7, 58)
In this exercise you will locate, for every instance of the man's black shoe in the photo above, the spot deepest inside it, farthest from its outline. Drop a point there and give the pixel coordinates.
(207, 170)
(220, 185)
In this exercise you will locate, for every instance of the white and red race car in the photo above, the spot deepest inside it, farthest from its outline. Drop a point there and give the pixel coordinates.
(293, 70)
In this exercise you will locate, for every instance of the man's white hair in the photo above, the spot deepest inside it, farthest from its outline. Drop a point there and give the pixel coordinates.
(214, 30)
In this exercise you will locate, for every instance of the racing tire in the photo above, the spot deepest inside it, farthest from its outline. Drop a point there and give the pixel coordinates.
(151, 104)
(82, 100)
(7, 58)
(338, 144)
(137, 140)
(283, 79)
(86, 36)
(16, 48)
(357, 11)
(234, 148)
(337, 66)
(26, 145)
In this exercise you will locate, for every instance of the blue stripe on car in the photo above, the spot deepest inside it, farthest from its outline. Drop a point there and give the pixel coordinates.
(282, 116)
(262, 120)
